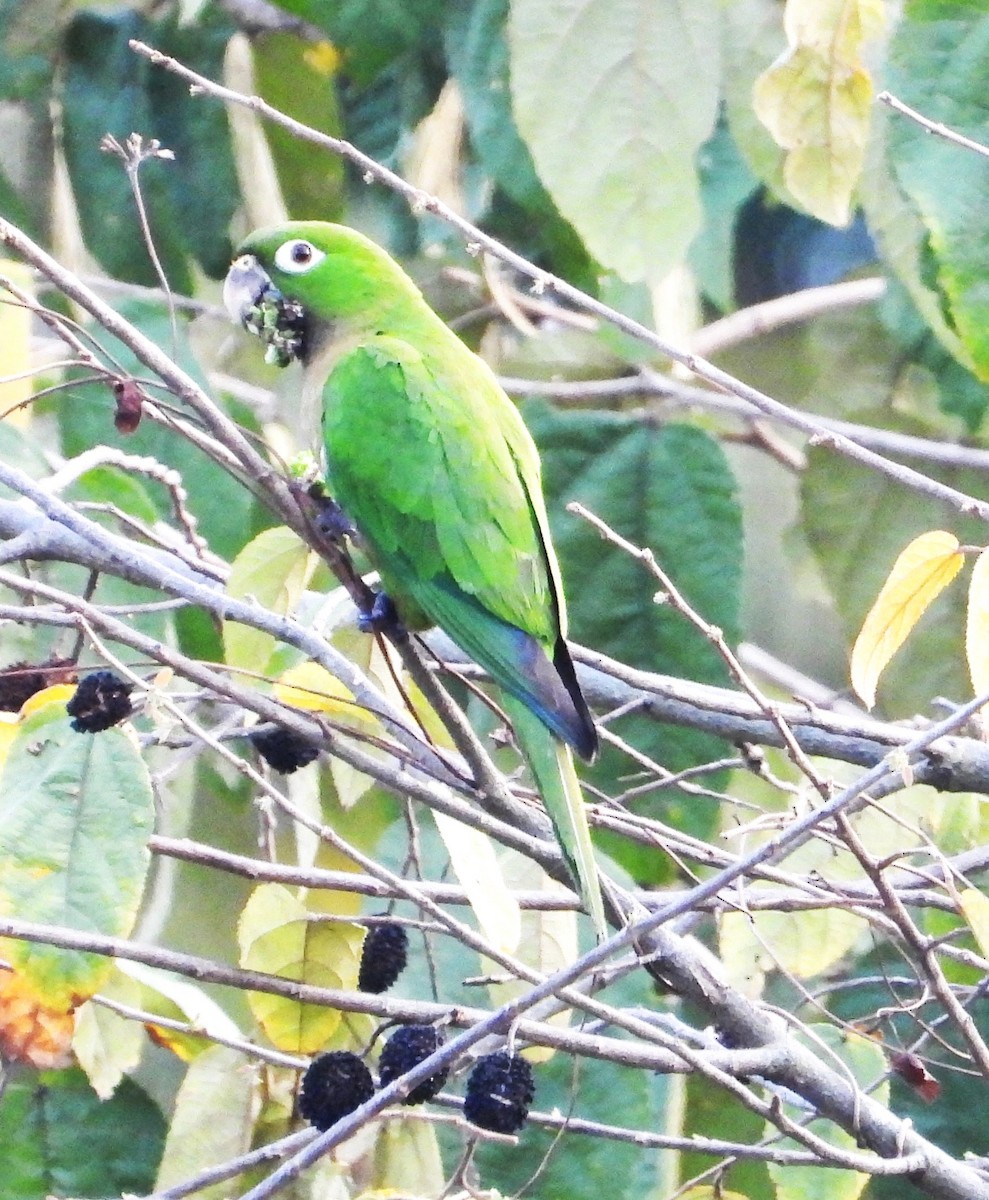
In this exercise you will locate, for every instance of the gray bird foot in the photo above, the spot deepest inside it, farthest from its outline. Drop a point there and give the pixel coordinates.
(332, 522)
(383, 617)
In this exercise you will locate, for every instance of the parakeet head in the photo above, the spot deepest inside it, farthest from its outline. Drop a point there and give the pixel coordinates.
(295, 285)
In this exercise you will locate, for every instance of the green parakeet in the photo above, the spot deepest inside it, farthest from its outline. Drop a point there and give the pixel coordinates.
(431, 462)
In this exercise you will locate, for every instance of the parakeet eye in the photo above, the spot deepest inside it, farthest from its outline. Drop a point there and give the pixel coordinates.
(297, 256)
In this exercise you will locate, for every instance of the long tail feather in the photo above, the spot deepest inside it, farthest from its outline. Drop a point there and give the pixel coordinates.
(551, 763)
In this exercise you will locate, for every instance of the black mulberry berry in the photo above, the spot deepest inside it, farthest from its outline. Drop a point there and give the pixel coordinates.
(284, 750)
(383, 957)
(102, 699)
(333, 1086)
(407, 1048)
(499, 1092)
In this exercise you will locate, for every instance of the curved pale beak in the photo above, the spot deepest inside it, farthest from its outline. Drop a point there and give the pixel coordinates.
(244, 287)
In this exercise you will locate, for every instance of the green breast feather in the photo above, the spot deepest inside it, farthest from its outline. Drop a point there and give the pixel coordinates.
(436, 492)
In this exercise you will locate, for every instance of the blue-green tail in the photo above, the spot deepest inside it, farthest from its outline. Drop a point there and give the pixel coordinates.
(551, 763)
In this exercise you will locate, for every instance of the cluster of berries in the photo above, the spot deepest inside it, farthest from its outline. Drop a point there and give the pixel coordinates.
(101, 699)
(283, 750)
(499, 1088)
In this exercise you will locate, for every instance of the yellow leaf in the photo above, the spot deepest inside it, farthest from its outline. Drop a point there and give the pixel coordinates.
(323, 57)
(977, 625)
(816, 101)
(923, 570)
(58, 693)
(8, 731)
(975, 910)
(313, 688)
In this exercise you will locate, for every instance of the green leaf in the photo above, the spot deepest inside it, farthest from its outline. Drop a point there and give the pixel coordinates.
(104, 91)
(668, 488)
(959, 392)
(29, 32)
(614, 100)
(478, 56)
(271, 570)
(16, 446)
(710, 1111)
(165, 995)
(521, 211)
(726, 184)
(16, 208)
(279, 936)
(202, 182)
(214, 1115)
(475, 864)
(109, 485)
(57, 1134)
(938, 61)
(76, 811)
(294, 77)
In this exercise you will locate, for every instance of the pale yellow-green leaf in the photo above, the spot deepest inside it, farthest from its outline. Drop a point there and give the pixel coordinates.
(707, 1191)
(975, 909)
(311, 687)
(434, 157)
(75, 815)
(804, 944)
(277, 935)
(867, 1064)
(816, 101)
(475, 864)
(165, 996)
(619, 154)
(548, 940)
(977, 625)
(106, 1045)
(16, 384)
(811, 943)
(922, 571)
(272, 570)
(407, 1157)
(212, 1121)
(189, 10)
(260, 190)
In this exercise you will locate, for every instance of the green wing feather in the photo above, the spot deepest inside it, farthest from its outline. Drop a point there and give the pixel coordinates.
(433, 473)
(409, 459)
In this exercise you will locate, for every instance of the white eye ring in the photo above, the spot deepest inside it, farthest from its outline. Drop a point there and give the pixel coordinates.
(297, 256)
